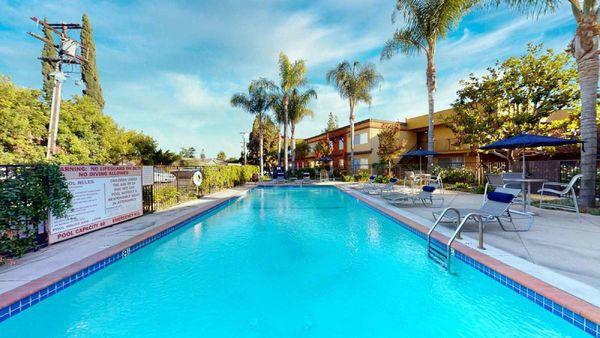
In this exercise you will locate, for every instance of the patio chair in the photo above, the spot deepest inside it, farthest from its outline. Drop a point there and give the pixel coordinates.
(306, 178)
(493, 181)
(425, 196)
(388, 187)
(567, 191)
(410, 177)
(280, 178)
(437, 180)
(324, 175)
(494, 208)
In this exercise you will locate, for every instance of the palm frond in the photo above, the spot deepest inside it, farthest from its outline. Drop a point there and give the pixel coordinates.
(405, 41)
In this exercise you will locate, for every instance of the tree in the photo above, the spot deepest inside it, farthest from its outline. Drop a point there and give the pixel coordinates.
(514, 96)
(188, 152)
(391, 142)
(425, 22)
(221, 156)
(298, 110)
(332, 123)
(584, 48)
(48, 66)
(292, 76)
(354, 82)
(89, 70)
(302, 149)
(257, 102)
(270, 141)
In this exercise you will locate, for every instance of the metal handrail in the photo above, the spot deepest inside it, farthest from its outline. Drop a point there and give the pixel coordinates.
(456, 234)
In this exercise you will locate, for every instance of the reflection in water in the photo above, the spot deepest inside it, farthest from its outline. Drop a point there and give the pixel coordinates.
(373, 231)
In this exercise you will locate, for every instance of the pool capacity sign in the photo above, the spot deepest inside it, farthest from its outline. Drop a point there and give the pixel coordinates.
(102, 196)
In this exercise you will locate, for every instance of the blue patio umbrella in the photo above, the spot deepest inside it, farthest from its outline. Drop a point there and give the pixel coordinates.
(420, 153)
(525, 140)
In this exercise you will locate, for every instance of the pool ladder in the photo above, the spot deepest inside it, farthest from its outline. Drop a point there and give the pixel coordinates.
(436, 250)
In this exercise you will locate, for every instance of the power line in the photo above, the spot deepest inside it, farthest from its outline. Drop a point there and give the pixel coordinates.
(67, 51)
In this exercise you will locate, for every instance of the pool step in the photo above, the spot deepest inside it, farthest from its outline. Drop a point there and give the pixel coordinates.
(438, 252)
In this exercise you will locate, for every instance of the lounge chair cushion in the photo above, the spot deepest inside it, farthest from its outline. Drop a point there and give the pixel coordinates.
(500, 197)
(428, 188)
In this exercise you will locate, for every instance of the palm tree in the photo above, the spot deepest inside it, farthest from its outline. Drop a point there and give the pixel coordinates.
(257, 102)
(298, 110)
(292, 75)
(584, 48)
(354, 82)
(279, 119)
(425, 22)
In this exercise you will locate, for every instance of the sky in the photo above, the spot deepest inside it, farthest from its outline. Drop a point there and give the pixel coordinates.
(169, 68)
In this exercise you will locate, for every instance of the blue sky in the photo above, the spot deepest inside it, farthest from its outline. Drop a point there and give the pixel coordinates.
(168, 68)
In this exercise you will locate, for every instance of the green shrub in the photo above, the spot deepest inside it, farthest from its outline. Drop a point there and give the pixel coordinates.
(217, 178)
(362, 176)
(27, 195)
(382, 179)
(455, 175)
(347, 178)
(165, 196)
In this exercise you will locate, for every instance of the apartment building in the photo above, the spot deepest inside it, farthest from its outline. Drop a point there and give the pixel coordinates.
(366, 142)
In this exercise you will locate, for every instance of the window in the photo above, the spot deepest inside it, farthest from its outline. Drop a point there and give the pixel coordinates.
(361, 163)
(362, 138)
(341, 144)
(451, 162)
(341, 163)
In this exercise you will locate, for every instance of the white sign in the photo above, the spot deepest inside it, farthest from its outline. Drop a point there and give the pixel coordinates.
(102, 196)
(148, 175)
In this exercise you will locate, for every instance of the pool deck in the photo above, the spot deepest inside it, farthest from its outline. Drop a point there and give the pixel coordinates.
(54, 262)
(560, 250)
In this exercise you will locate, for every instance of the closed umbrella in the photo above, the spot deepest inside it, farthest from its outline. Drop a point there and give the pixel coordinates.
(420, 153)
(524, 140)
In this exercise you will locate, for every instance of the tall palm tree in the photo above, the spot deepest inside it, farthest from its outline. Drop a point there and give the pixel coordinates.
(292, 75)
(584, 48)
(256, 102)
(279, 119)
(425, 22)
(354, 82)
(298, 110)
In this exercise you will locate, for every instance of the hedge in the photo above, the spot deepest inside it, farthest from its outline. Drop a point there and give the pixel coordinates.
(27, 195)
(215, 178)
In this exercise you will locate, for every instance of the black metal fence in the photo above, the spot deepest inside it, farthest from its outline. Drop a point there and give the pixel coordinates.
(550, 170)
(173, 185)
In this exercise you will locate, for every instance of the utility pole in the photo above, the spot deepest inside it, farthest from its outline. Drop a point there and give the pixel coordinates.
(67, 54)
(244, 147)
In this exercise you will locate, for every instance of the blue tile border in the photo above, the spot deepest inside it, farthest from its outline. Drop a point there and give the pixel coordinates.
(572, 318)
(28, 301)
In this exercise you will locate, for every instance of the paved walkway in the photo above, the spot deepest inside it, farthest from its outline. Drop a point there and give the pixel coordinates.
(558, 240)
(47, 260)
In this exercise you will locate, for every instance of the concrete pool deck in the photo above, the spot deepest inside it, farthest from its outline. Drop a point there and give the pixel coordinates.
(47, 261)
(560, 249)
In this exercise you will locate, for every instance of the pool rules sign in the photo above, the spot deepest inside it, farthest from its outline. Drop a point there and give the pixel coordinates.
(102, 196)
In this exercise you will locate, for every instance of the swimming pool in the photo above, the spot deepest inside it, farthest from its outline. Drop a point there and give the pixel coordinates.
(286, 262)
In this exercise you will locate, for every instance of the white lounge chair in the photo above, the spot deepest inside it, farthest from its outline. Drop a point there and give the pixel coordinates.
(495, 207)
(306, 178)
(425, 196)
(388, 187)
(567, 191)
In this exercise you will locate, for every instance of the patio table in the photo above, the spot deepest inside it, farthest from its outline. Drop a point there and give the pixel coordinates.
(526, 187)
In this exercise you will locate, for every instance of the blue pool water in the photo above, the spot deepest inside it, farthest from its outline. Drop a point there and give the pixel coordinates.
(287, 262)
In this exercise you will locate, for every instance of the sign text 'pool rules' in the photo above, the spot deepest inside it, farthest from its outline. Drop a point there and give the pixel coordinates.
(102, 196)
